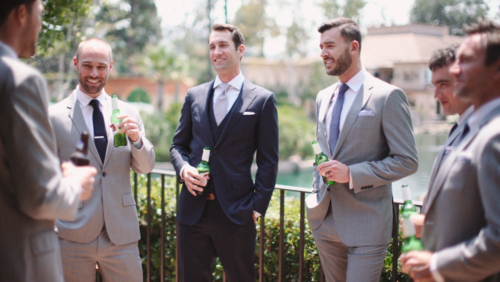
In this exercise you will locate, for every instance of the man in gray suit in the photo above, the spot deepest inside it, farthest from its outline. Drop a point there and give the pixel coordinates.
(440, 64)
(33, 191)
(364, 127)
(461, 234)
(106, 230)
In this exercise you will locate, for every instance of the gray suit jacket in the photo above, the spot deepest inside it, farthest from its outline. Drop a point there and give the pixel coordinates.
(112, 202)
(32, 191)
(379, 149)
(462, 222)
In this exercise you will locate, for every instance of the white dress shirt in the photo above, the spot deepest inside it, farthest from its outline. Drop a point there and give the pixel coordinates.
(232, 92)
(10, 52)
(87, 112)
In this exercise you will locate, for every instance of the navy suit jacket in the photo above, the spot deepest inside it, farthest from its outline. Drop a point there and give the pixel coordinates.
(252, 126)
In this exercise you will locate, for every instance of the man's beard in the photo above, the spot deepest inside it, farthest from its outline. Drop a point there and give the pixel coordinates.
(342, 64)
(90, 89)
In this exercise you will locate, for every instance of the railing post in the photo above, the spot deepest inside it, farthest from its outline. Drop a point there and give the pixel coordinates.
(261, 250)
(395, 243)
(177, 279)
(301, 245)
(162, 231)
(148, 236)
(282, 234)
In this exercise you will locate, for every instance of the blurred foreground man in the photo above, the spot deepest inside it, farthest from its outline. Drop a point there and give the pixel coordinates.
(33, 192)
(364, 127)
(106, 230)
(461, 232)
(440, 64)
(236, 120)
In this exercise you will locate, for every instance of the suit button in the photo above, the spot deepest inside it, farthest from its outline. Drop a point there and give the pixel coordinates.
(104, 174)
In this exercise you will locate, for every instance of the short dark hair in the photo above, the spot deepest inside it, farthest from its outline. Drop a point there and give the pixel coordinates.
(236, 34)
(349, 29)
(491, 32)
(7, 6)
(443, 57)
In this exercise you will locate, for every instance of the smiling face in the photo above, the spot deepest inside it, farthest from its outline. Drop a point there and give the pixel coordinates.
(224, 56)
(93, 65)
(335, 52)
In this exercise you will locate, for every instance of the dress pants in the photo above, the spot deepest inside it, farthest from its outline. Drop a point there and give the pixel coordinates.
(216, 235)
(347, 263)
(120, 263)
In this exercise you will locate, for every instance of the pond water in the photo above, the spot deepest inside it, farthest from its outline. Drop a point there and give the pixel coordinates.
(428, 146)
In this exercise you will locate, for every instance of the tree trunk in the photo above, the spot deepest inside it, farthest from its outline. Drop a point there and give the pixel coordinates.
(159, 97)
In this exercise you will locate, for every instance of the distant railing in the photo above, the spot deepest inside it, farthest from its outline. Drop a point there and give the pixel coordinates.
(283, 189)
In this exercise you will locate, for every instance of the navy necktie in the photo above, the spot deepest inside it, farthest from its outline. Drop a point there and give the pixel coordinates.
(100, 136)
(335, 124)
(453, 129)
(463, 134)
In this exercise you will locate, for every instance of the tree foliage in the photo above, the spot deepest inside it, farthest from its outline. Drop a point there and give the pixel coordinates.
(351, 8)
(452, 13)
(60, 17)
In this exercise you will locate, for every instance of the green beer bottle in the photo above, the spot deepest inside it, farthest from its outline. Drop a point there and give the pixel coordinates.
(410, 241)
(203, 166)
(120, 138)
(320, 158)
(408, 207)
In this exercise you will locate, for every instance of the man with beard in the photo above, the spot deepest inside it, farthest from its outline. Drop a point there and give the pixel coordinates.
(364, 127)
(106, 230)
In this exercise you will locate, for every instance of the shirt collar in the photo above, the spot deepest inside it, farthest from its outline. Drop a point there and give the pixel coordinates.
(236, 82)
(85, 99)
(356, 81)
(8, 50)
(482, 112)
(465, 115)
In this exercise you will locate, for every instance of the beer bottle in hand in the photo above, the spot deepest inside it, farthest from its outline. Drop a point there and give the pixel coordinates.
(79, 157)
(410, 241)
(408, 207)
(320, 158)
(120, 138)
(204, 167)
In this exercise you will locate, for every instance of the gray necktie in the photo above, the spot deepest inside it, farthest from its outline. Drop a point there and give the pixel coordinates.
(335, 124)
(220, 105)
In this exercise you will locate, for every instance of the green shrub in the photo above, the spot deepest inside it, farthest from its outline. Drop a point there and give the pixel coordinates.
(139, 95)
(296, 132)
(271, 252)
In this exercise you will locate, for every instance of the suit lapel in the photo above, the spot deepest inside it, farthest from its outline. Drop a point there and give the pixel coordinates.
(323, 110)
(76, 116)
(244, 100)
(361, 98)
(204, 112)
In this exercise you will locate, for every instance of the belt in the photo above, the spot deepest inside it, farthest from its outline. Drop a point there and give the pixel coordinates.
(210, 196)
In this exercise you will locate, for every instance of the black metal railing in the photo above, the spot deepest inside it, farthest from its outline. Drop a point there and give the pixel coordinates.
(283, 189)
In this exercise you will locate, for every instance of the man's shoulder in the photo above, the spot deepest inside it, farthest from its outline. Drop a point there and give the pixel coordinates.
(259, 90)
(61, 105)
(327, 90)
(200, 88)
(380, 86)
(20, 72)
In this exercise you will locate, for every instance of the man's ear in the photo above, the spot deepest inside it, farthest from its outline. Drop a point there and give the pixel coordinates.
(20, 14)
(241, 50)
(75, 63)
(354, 47)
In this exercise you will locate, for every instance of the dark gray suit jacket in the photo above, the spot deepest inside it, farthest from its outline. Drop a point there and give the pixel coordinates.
(32, 191)
(252, 128)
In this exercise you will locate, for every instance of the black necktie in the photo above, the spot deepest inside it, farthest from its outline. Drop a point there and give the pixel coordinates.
(335, 124)
(453, 129)
(463, 134)
(100, 137)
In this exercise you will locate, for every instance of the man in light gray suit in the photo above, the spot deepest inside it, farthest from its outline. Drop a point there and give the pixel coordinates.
(461, 234)
(106, 230)
(440, 64)
(33, 191)
(364, 127)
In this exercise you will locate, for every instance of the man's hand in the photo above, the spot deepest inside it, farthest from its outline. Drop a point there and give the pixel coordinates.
(254, 218)
(418, 221)
(417, 264)
(83, 175)
(193, 180)
(334, 171)
(130, 127)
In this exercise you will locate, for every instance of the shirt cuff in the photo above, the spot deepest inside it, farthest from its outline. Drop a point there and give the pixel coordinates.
(182, 170)
(351, 185)
(257, 214)
(433, 269)
(137, 144)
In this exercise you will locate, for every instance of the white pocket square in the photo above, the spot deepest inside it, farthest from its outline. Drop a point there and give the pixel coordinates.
(248, 113)
(365, 113)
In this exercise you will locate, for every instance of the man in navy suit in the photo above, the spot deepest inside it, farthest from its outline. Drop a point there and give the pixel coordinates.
(236, 120)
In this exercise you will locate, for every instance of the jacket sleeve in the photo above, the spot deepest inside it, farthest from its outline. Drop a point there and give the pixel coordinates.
(143, 159)
(40, 189)
(180, 149)
(267, 155)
